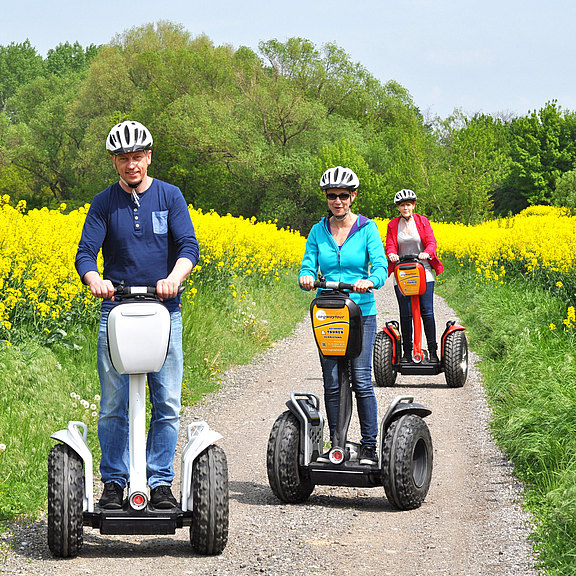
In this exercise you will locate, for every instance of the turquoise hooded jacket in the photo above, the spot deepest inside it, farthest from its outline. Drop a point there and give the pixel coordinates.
(361, 256)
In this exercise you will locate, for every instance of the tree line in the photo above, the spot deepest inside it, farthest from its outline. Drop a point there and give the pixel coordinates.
(250, 132)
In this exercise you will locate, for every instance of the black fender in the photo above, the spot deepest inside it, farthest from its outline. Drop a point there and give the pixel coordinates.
(400, 406)
(306, 407)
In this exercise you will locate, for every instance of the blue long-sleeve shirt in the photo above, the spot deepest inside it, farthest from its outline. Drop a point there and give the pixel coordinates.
(361, 256)
(140, 245)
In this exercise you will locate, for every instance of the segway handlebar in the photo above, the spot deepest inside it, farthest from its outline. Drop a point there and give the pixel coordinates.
(139, 291)
(409, 257)
(331, 285)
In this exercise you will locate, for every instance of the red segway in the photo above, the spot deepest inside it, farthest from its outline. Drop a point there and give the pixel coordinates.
(411, 280)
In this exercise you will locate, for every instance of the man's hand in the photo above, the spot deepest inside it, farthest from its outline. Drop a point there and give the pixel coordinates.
(99, 287)
(167, 288)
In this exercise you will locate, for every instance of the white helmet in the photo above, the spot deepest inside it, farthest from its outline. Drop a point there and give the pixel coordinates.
(128, 136)
(404, 195)
(339, 178)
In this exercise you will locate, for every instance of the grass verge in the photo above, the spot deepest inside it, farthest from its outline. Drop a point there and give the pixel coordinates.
(529, 371)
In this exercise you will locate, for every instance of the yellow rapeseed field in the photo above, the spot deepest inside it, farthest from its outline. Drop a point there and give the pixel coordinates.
(41, 292)
(39, 287)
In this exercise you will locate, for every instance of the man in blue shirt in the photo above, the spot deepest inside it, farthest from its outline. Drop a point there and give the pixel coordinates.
(144, 229)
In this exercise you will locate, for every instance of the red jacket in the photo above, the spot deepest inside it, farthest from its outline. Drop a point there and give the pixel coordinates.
(426, 235)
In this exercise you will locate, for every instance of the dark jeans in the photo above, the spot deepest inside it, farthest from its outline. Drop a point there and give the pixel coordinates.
(426, 311)
(361, 385)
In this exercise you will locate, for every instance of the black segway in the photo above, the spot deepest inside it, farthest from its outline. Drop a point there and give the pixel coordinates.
(138, 336)
(411, 280)
(296, 438)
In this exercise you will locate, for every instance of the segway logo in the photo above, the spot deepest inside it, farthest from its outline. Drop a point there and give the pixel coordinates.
(322, 316)
(331, 328)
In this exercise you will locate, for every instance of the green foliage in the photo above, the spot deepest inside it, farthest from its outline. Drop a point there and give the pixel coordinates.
(67, 58)
(565, 192)
(477, 163)
(543, 146)
(245, 132)
(19, 64)
(528, 371)
(36, 385)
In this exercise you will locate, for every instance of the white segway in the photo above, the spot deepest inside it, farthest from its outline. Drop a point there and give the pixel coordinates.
(296, 439)
(138, 337)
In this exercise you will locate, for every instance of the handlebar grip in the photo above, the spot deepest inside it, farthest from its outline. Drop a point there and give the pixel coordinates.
(331, 285)
(408, 257)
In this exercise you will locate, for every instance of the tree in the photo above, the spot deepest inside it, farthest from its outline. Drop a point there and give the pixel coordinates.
(19, 64)
(66, 58)
(565, 192)
(543, 146)
(44, 138)
(477, 163)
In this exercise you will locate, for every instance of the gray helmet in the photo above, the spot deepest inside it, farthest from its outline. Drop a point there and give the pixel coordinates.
(404, 195)
(339, 177)
(128, 136)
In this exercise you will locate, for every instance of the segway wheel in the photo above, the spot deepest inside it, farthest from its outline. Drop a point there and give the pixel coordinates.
(407, 462)
(456, 359)
(65, 501)
(384, 373)
(210, 512)
(288, 480)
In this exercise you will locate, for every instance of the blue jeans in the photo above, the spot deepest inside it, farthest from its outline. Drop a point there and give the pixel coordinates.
(164, 389)
(361, 385)
(426, 312)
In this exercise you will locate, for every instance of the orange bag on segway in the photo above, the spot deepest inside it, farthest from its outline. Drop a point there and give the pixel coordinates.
(337, 324)
(411, 278)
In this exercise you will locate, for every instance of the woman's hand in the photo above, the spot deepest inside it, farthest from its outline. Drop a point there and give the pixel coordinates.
(307, 282)
(363, 285)
(393, 257)
(423, 256)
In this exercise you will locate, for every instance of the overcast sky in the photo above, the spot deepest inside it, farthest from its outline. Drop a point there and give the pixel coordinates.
(490, 56)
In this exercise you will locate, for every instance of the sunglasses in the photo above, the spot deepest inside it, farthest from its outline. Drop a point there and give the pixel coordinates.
(343, 196)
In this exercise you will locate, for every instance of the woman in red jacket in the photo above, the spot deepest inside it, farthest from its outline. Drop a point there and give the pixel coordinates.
(412, 233)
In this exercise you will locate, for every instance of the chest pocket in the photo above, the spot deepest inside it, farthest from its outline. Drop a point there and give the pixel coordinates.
(160, 222)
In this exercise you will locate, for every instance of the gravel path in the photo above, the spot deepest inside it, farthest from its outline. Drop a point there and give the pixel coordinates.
(470, 524)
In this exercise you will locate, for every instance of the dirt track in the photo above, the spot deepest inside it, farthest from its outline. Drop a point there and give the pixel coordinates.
(470, 524)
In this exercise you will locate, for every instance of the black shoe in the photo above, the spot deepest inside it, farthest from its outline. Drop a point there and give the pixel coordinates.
(368, 455)
(112, 496)
(162, 497)
(406, 359)
(433, 354)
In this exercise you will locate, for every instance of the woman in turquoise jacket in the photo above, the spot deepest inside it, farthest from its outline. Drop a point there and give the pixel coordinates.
(346, 247)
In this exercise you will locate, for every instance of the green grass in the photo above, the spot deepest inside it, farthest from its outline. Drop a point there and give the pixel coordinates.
(36, 382)
(529, 373)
